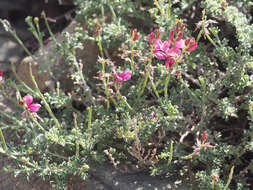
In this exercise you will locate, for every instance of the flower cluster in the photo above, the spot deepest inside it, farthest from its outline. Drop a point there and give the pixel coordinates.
(172, 49)
(124, 76)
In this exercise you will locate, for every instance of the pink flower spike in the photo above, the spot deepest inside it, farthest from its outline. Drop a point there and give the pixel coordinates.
(191, 44)
(27, 101)
(125, 75)
(180, 36)
(151, 38)
(1, 72)
(172, 35)
(134, 34)
(204, 136)
(192, 47)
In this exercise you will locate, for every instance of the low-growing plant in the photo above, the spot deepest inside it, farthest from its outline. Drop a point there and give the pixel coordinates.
(173, 101)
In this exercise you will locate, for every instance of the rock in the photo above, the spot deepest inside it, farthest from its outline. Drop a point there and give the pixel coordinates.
(43, 79)
(114, 180)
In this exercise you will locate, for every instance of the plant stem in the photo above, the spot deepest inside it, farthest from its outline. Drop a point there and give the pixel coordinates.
(17, 77)
(77, 143)
(147, 70)
(3, 141)
(43, 99)
(171, 152)
(167, 80)
(36, 122)
(90, 117)
(132, 53)
(158, 6)
(189, 90)
(229, 177)
(125, 102)
(14, 35)
(48, 27)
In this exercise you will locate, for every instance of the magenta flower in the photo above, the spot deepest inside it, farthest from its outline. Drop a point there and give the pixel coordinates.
(163, 51)
(27, 102)
(1, 76)
(191, 44)
(204, 136)
(134, 34)
(151, 38)
(124, 76)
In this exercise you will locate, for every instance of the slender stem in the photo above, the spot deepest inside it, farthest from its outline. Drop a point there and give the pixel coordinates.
(8, 96)
(89, 117)
(127, 105)
(3, 141)
(158, 6)
(169, 9)
(171, 152)
(189, 90)
(113, 12)
(18, 78)
(14, 35)
(48, 27)
(167, 80)
(211, 40)
(36, 122)
(43, 99)
(147, 70)
(213, 185)
(77, 143)
(229, 177)
(154, 89)
(132, 53)
(40, 40)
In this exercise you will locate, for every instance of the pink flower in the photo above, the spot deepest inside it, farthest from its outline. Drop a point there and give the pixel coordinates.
(172, 32)
(204, 136)
(1, 75)
(151, 38)
(160, 49)
(97, 30)
(191, 44)
(163, 51)
(134, 34)
(27, 102)
(124, 76)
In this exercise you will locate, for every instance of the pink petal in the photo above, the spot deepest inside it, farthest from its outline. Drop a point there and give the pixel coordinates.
(180, 44)
(169, 62)
(116, 77)
(28, 99)
(172, 35)
(158, 44)
(34, 107)
(1, 72)
(192, 47)
(151, 37)
(180, 36)
(126, 75)
(160, 55)
(166, 45)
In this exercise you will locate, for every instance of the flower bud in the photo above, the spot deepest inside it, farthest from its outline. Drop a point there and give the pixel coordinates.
(85, 168)
(134, 34)
(151, 38)
(172, 32)
(204, 136)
